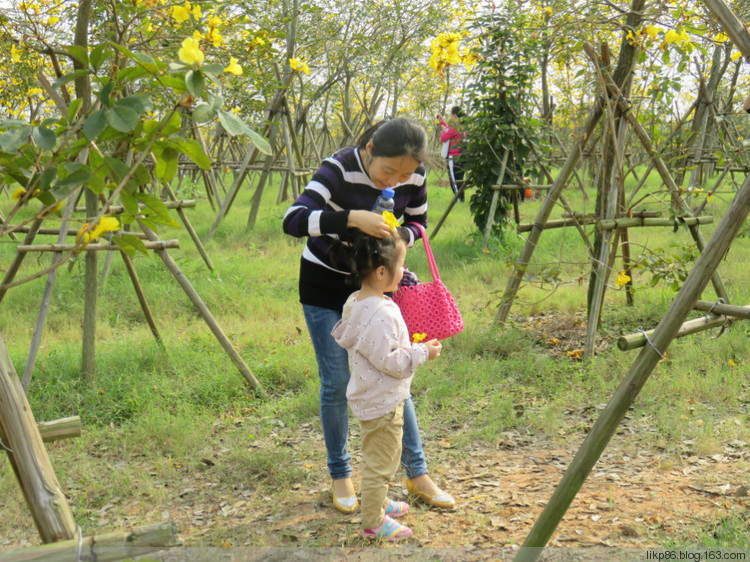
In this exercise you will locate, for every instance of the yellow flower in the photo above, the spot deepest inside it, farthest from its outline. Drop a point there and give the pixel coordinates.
(652, 31)
(622, 279)
(196, 11)
(736, 55)
(53, 20)
(215, 37)
(299, 65)
(180, 13)
(106, 224)
(416, 338)
(18, 193)
(213, 21)
(721, 38)
(390, 220)
(233, 67)
(672, 37)
(732, 363)
(190, 52)
(15, 54)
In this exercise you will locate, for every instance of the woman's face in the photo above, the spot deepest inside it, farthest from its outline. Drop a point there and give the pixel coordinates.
(389, 171)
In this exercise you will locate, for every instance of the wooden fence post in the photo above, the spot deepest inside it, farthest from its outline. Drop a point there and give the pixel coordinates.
(23, 443)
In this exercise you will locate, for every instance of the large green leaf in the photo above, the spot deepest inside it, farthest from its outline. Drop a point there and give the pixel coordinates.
(236, 126)
(73, 108)
(130, 244)
(138, 103)
(192, 149)
(204, 113)
(11, 140)
(166, 163)
(44, 137)
(69, 77)
(77, 174)
(195, 82)
(157, 210)
(122, 118)
(95, 124)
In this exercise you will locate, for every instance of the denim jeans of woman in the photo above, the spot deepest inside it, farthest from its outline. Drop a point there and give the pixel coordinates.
(333, 369)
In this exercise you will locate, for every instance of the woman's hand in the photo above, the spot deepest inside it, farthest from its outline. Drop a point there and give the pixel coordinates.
(434, 347)
(370, 223)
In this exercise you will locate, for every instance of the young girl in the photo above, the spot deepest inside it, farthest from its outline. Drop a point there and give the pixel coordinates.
(383, 360)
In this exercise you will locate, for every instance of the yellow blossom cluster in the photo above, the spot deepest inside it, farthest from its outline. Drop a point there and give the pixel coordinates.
(296, 64)
(107, 224)
(190, 52)
(446, 51)
(181, 14)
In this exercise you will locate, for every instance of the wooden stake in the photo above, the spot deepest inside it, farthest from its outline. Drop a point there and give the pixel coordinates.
(204, 312)
(64, 428)
(142, 298)
(637, 375)
(23, 443)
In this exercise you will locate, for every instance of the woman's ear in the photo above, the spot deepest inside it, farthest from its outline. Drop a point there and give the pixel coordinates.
(368, 148)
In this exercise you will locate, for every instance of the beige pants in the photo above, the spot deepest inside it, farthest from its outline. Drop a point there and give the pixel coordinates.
(381, 453)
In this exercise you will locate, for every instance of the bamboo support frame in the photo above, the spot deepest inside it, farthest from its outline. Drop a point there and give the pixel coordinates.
(64, 428)
(117, 209)
(108, 547)
(636, 377)
(101, 247)
(204, 312)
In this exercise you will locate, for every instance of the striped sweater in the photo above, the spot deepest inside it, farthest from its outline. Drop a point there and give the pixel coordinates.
(321, 213)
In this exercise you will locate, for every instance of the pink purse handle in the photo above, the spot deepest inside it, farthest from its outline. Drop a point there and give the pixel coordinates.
(428, 251)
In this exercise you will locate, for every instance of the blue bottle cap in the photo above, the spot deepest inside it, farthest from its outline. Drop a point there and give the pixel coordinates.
(389, 193)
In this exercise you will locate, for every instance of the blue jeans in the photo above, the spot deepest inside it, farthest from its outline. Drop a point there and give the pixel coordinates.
(333, 369)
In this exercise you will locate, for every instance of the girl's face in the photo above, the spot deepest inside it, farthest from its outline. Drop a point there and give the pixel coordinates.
(394, 276)
(389, 171)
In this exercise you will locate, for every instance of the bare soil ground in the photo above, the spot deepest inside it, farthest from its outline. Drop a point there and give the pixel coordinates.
(636, 496)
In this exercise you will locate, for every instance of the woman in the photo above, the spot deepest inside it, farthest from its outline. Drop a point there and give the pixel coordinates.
(454, 134)
(339, 198)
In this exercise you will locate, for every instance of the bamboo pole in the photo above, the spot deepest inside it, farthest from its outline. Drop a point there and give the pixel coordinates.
(613, 224)
(650, 355)
(23, 443)
(733, 27)
(117, 209)
(191, 231)
(724, 309)
(677, 201)
(639, 339)
(559, 223)
(15, 265)
(142, 298)
(111, 546)
(522, 264)
(101, 247)
(64, 428)
(495, 197)
(204, 311)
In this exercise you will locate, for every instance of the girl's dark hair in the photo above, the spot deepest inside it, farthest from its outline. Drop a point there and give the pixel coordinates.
(368, 253)
(396, 137)
(456, 110)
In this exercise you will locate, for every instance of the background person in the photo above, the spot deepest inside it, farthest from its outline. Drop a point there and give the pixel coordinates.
(454, 133)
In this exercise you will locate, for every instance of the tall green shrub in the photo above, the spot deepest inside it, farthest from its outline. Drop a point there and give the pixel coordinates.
(499, 113)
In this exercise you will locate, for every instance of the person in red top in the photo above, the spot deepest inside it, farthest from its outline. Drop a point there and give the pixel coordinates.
(454, 134)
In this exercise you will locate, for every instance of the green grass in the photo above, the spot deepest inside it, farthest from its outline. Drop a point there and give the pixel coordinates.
(171, 404)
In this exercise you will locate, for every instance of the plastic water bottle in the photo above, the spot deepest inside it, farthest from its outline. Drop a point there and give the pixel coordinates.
(384, 201)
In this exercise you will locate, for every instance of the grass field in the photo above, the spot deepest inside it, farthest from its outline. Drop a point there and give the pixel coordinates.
(169, 406)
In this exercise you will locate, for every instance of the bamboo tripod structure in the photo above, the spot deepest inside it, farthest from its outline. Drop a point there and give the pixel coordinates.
(657, 342)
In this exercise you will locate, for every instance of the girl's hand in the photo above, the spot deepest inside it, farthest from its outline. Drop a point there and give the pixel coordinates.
(434, 347)
(370, 223)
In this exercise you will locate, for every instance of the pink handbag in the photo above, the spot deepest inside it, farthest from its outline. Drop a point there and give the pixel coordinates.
(429, 308)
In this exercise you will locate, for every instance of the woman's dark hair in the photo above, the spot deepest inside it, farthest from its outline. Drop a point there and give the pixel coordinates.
(368, 253)
(396, 137)
(456, 110)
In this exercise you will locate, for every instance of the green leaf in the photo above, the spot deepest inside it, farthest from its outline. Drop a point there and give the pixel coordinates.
(215, 69)
(130, 244)
(81, 53)
(138, 103)
(47, 177)
(195, 82)
(106, 93)
(122, 118)
(75, 174)
(44, 137)
(11, 140)
(95, 124)
(73, 109)
(166, 164)
(204, 112)
(129, 203)
(69, 77)
(192, 149)
(98, 55)
(236, 126)
(158, 211)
